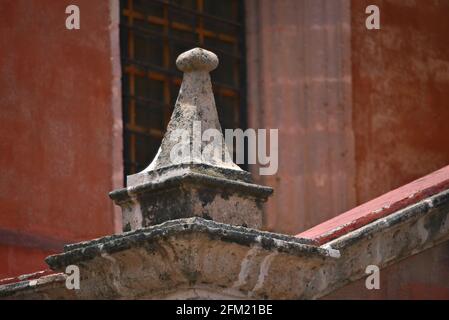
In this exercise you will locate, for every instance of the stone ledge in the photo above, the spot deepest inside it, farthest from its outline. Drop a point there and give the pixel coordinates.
(192, 178)
(87, 250)
(201, 168)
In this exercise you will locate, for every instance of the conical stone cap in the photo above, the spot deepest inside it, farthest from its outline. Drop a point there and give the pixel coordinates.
(194, 114)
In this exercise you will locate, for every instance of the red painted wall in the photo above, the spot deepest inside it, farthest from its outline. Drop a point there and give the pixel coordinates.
(400, 78)
(60, 129)
(347, 134)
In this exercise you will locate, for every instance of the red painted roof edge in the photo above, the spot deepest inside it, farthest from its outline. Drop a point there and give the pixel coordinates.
(27, 277)
(380, 207)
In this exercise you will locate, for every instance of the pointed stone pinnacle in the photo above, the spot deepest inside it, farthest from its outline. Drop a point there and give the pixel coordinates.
(193, 174)
(194, 113)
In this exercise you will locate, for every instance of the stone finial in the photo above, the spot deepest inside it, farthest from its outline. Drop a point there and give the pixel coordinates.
(184, 180)
(194, 113)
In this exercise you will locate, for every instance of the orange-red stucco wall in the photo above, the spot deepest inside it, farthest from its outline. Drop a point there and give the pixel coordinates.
(400, 81)
(60, 132)
(360, 112)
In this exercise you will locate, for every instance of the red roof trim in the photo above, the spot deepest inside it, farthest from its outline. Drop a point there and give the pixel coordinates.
(385, 205)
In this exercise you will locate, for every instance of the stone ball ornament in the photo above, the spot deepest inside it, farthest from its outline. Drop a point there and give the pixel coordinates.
(197, 59)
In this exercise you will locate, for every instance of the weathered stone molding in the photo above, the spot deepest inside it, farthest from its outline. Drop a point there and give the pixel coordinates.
(196, 258)
(83, 251)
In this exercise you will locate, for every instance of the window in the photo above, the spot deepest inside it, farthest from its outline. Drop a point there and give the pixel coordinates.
(152, 34)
